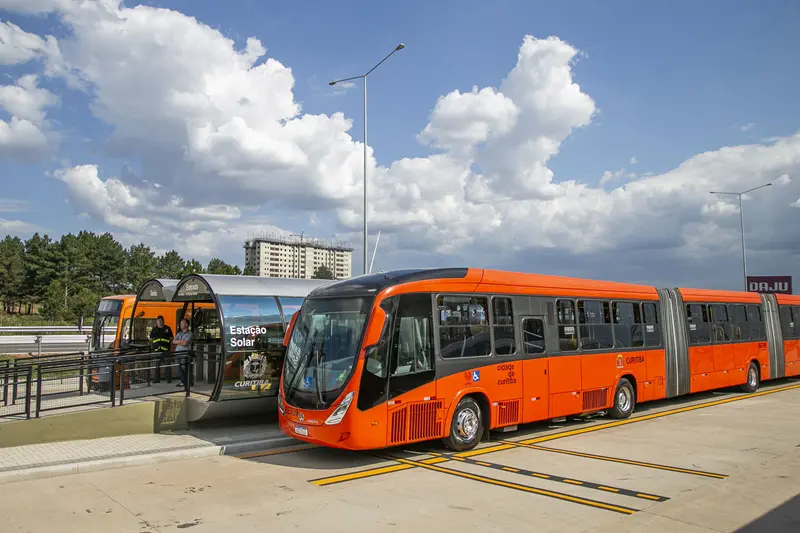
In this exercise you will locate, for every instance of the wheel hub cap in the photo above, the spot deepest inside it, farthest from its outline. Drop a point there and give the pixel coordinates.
(622, 399)
(467, 425)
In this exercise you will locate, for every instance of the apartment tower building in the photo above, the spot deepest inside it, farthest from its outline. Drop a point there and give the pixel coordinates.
(277, 256)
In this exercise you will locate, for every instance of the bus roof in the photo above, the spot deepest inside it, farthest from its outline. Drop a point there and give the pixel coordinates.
(707, 295)
(501, 281)
(475, 279)
(788, 299)
(200, 287)
(118, 297)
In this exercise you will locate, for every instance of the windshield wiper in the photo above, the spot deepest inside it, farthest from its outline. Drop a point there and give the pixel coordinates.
(320, 401)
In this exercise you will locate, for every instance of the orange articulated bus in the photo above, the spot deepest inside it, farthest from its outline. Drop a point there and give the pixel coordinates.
(393, 358)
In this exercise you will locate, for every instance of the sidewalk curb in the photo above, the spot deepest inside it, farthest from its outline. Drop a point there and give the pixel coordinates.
(237, 448)
(96, 465)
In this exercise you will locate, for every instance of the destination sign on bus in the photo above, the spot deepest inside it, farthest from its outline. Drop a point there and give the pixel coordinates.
(775, 284)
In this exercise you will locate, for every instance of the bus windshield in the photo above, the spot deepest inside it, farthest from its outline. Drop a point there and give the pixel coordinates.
(106, 317)
(322, 351)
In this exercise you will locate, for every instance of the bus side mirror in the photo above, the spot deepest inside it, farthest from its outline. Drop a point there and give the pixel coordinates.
(377, 324)
(288, 334)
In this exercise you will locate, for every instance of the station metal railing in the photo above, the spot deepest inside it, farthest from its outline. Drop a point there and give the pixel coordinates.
(32, 385)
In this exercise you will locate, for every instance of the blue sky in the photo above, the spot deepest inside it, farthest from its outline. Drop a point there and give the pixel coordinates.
(669, 80)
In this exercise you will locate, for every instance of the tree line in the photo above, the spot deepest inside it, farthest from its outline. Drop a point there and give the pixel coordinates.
(63, 279)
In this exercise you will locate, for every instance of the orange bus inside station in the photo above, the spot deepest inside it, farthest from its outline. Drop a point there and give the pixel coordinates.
(405, 356)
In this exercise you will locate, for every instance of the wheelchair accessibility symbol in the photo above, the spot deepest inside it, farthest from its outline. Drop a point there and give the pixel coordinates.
(476, 375)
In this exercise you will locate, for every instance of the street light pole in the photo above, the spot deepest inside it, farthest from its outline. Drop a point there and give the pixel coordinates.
(364, 77)
(741, 223)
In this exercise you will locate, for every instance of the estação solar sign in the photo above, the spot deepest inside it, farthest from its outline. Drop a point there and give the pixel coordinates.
(776, 284)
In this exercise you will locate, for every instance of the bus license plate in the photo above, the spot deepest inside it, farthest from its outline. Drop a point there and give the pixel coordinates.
(301, 430)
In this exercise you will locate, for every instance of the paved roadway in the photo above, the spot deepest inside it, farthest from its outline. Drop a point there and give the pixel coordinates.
(724, 462)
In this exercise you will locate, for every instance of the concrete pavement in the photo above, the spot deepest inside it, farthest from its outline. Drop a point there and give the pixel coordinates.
(37, 461)
(719, 467)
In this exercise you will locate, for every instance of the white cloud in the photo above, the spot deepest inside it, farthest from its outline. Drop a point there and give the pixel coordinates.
(746, 127)
(633, 161)
(23, 138)
(461, 121)
(720, 208)
(25, 100)
(18, 46)
(219, 127)
(18, 227)
(784, 179)
(39, 7)
(609, 175)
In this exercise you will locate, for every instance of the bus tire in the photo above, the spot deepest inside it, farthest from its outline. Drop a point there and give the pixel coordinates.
(466, 427)
(751, 385)
(624, 399)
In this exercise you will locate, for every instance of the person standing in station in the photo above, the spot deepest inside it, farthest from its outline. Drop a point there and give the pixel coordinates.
(182, 342)
(161, 341)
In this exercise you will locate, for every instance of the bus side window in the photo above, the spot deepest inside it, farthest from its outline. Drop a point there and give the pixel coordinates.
(722, 326)
(376, 368)
(796, 320)
(567, 331)
(756, 323)
(627, 325)
(699, 326)
(533, 336)
(595, 329)
(412, 340)
(741, 329)
(463, 326)
(787, 322)
(503, 317)
(652, 333)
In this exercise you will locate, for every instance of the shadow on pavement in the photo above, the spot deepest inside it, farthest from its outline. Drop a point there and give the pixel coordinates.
(783, 519)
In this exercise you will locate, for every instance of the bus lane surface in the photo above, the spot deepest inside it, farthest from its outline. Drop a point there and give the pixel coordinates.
(712, 468)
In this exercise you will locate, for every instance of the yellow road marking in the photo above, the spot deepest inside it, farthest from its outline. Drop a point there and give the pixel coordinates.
(517, 486)
(359, 475)
(610, 489)
(509, 469)
(573, 482)
(633, 420)
(554, 436)
(624, 461)
(541, 476)
(649, 497)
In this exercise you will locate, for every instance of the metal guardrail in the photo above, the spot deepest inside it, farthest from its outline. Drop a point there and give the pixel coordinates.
(30, 386)
(29, 344)
(47, 339)
(51, 329)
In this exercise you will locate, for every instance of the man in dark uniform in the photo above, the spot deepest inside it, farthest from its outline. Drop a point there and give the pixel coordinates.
(161, 341)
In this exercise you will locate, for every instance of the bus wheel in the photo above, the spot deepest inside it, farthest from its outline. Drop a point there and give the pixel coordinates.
(751, 385)
(624, 399)
(466, 427)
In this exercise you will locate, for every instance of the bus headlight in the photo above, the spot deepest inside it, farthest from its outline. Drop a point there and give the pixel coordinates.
(338, 414)
(280, 404)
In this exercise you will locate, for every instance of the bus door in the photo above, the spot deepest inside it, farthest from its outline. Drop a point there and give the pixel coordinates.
(414, 413)
(536, 366)
(505, 384)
